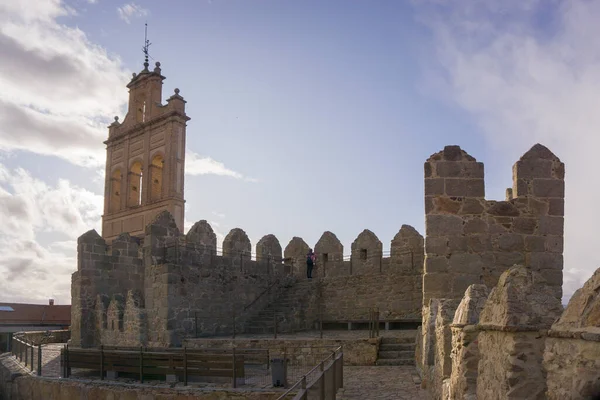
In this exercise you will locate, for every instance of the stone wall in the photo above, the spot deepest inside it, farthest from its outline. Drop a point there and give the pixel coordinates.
(572, 354)
(17, 384)
(398, 296)
(300, 351)
(471, 240)
(465, 345)
(43, 337)
(513, 325)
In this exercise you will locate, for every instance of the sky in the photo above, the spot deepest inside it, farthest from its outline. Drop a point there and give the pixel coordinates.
(306, 116)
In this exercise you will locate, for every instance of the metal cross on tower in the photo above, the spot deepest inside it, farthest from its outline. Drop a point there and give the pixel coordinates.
(146, 46)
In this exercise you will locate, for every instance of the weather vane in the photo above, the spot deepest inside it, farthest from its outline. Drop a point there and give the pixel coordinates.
(146, 46)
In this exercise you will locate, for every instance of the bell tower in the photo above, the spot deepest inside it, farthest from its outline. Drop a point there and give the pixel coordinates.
(145, 157)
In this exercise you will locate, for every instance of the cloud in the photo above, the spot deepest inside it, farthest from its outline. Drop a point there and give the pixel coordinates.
(31, 209)
(131, 10)
(198, 165)
(57, 89)
(526, 81)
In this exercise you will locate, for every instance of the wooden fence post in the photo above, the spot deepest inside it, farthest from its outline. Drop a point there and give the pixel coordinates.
(39, 363)
(67, 362)
(322, 385)
(101, 362)
(185, 367)
(234, 369)
(141, 364)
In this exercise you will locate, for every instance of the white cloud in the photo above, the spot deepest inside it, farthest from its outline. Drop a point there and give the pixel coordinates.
(57, 89)
(198, 165)
(131, 10)
(30, 208)
(527, 82)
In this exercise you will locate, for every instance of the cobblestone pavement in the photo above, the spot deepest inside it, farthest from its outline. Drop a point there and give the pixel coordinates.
(381, 383)
(51, 360)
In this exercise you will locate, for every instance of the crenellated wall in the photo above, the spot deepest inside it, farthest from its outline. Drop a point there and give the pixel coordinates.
(470, 240)
(168, 286)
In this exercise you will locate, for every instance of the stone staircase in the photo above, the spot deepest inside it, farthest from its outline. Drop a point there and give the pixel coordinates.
(396, 351)
(293, 309)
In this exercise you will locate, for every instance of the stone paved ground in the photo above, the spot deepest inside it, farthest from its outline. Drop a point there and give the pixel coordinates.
(381, 383)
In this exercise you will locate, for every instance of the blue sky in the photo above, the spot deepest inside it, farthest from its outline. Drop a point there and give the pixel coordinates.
(306, 115)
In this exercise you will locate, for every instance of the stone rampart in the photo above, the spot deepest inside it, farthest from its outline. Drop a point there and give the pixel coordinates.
(300, 351)
(513, 326)
(465, 345)
(398, 297)
(572, 353)
(169, 286)
(17, 384)
(471, 240)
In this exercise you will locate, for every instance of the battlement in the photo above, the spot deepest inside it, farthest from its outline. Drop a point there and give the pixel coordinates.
(166, 285)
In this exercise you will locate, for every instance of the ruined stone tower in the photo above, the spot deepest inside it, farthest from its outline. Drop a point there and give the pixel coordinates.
(145, 157)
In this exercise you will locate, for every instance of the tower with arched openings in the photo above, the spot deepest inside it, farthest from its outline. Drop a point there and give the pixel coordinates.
(145, 158)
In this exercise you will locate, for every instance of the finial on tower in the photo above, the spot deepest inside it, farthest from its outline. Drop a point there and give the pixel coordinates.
(145, 48)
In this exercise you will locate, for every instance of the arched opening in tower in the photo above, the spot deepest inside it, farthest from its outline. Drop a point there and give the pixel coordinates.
(156, 177)
(135, 184)
(115, 191)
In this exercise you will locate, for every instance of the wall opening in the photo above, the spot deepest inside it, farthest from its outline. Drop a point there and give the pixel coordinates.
(325, 257)
(104, 321)
(115, 191)
(363, 254)
(135, 185)
(156, 177)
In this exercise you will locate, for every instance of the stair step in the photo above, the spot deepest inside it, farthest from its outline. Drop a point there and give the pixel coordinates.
(396, 362)
(397, 347)
(397, 340)
(396, 354)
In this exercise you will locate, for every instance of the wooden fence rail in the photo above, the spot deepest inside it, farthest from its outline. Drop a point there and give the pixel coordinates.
(142, 362)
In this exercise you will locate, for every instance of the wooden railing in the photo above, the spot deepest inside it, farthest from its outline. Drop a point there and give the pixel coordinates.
(182, 363)
(322, 381)
(25, 352)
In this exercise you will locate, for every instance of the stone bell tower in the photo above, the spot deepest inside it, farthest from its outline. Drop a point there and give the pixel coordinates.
(145, 156)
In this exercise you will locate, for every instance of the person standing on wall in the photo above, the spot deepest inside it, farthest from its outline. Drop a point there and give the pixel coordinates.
(310, 262)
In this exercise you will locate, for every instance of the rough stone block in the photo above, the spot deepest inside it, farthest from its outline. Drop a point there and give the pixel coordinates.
(443, 225)
(524, 225)
(558, 170)
(448, 169)
(479, 243)
(556, 207)
(436, 264)
(427, 169)
(530, 169)
(457, 244)
(520, 187)
(554, 244)
(509, 242)
(435, 284)
(436, 245)
(539, 261)
(434, 186)
(503, 209)
(551, 225)
(549, 188)
(475, 225)
(447, 205)
(508, 259)
(471, 206)
(535, 243)
(462, 187)
(466, 263)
